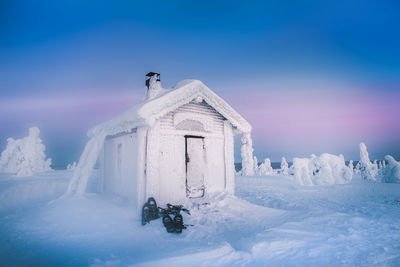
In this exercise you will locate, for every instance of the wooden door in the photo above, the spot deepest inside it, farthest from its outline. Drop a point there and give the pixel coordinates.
(195, 166)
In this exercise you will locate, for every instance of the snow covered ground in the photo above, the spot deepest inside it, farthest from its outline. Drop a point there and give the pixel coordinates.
(271, 221)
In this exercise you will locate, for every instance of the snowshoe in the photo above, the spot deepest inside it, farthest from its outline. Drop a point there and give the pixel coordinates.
(168, 223)
(145, 214)
(178, 223)
(153, 209)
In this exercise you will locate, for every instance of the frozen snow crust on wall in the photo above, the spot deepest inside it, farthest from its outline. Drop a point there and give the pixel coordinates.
(145, 115)
(24, 157)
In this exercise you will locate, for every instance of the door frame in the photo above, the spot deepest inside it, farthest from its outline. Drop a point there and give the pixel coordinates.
(186, 158)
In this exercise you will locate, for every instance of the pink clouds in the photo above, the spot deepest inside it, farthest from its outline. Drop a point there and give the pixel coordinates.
(327, 118)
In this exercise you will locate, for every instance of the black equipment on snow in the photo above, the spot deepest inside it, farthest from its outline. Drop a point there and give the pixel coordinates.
(149, 211)
(177, 224)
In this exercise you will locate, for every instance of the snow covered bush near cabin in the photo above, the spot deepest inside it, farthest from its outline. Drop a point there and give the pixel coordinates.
(284, 166)
(365, 167)
(391, 172)
(25, 156)
(323, 170)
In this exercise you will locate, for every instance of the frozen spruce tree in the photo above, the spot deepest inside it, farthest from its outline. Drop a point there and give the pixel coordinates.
(284, 166)
(268, 168)
(25, 156)
(265, 168)
(367, 169)
(391, 172)
(255, 162)
(261, 170)
(247, 155)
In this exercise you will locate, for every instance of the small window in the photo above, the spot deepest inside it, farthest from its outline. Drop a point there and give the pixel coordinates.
(190, 125)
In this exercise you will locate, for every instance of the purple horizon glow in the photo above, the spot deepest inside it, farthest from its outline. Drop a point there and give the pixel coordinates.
(296, 124)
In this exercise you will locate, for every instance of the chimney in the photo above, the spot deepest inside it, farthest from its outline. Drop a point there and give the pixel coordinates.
(153, 85)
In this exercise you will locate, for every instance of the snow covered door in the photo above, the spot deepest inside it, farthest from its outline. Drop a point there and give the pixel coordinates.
(195, 166)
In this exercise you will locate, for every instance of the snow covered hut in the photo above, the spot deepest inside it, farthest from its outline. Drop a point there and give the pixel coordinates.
(176, 144)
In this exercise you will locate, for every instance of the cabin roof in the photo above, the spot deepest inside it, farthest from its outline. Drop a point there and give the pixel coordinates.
(148, 112)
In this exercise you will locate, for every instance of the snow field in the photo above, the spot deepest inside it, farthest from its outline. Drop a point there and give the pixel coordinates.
(271, 221)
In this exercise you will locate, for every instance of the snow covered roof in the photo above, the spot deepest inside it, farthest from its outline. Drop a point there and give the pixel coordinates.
(148, 112)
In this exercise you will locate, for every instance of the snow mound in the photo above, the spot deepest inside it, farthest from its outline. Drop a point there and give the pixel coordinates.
(326, 169)
(391, 172)
(24, 157)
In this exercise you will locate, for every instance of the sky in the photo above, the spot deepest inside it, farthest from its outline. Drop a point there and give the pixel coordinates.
(310, 76)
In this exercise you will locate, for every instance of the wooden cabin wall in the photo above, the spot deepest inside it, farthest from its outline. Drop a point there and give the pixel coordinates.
(166, 167)
(120, 166)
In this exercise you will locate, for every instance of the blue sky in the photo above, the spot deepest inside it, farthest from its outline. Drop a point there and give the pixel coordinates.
(67, 65)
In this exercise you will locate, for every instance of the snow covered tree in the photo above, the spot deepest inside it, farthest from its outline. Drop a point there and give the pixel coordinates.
(247, 155)
(391, 173)
(268, 167)
(25, 156)
(255, 162)
(321, 170)
(265, 168)
(284, 166)
(367, 169)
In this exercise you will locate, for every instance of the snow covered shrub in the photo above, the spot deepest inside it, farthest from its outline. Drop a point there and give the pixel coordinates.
(255, 162)
(391, 173)
(284, 166)
(71, 166)
(25, 156)
(366, 168)
(351, 165)
(247, 155)
(301, 171)
(265, 168)
(323, 170)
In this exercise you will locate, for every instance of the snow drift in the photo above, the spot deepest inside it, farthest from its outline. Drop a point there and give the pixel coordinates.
(326, 169)
(25, 156)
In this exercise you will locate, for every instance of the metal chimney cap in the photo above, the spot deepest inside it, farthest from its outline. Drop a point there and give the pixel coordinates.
(150, 74)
